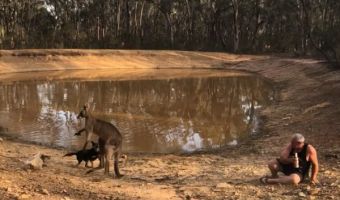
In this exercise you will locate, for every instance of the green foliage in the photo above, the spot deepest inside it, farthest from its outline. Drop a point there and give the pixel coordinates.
(253, 26)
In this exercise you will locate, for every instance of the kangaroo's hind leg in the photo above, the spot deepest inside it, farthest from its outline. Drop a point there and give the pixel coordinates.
(116, 161)
(102, 150)
(101, 161)
(108, 156)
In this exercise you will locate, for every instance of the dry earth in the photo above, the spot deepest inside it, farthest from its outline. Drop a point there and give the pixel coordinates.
(307, 102)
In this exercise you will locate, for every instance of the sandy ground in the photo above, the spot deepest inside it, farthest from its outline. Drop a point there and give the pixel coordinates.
(308, 102)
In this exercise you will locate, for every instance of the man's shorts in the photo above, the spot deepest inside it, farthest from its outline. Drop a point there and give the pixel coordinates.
(288, 169)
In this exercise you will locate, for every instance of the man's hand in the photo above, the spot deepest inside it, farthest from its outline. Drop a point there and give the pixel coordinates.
(314, 181)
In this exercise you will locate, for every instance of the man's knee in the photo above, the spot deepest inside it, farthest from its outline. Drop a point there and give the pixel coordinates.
(295, 179)
(273, 165)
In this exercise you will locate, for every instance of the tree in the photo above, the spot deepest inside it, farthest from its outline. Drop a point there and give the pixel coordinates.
(301, 27)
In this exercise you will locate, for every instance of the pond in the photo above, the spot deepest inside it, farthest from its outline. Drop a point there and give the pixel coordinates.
(160, 115)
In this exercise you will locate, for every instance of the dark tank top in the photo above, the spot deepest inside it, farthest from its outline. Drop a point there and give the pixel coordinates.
(304, 165)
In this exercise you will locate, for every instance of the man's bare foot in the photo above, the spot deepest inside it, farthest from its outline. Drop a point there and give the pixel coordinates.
(264, 180)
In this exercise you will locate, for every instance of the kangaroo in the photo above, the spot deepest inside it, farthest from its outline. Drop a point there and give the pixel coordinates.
(110, 140)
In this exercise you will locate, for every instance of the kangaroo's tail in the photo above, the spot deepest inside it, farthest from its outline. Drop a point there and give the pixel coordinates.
(70, 154)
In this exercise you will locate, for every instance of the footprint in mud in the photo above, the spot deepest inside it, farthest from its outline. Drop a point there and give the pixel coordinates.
(103, 178)
(162, 179)
(97, 179)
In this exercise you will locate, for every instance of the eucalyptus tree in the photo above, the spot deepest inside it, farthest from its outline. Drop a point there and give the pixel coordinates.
(300, 27)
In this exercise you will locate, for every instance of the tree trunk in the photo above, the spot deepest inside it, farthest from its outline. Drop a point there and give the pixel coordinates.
(141, 31)
(236, 25)
(190, 31)
(168, 19)
(118, 18)
(127, 17)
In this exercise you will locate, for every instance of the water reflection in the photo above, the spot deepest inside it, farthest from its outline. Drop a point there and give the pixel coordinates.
(153, 115)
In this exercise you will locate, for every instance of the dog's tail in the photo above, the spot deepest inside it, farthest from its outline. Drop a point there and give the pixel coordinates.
(70, 154)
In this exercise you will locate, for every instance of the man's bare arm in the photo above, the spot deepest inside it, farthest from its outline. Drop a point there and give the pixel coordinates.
(313, 157)
(284, 156)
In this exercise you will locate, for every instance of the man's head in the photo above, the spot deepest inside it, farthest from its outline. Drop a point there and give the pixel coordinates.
(298, 141)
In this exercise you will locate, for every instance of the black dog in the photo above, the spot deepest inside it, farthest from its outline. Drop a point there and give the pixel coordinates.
(87, 154)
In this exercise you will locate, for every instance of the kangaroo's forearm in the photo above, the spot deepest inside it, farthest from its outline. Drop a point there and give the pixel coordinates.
(80, 131)
(88, 136)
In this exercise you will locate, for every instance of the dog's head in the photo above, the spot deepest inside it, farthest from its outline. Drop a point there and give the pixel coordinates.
(83, 112)
(95, 146)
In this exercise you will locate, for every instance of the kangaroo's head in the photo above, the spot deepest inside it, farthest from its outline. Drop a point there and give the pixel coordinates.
(83, 112)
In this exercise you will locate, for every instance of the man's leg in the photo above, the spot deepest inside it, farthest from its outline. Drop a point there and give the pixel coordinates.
(291, 179)
(274, 167)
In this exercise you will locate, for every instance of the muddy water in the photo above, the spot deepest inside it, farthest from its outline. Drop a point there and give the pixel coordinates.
(168, 115)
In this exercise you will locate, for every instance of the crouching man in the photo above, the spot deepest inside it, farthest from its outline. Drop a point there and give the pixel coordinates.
(294, 163)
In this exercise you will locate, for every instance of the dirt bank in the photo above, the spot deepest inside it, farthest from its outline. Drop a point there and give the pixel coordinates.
(308, 103)
(49, 60)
